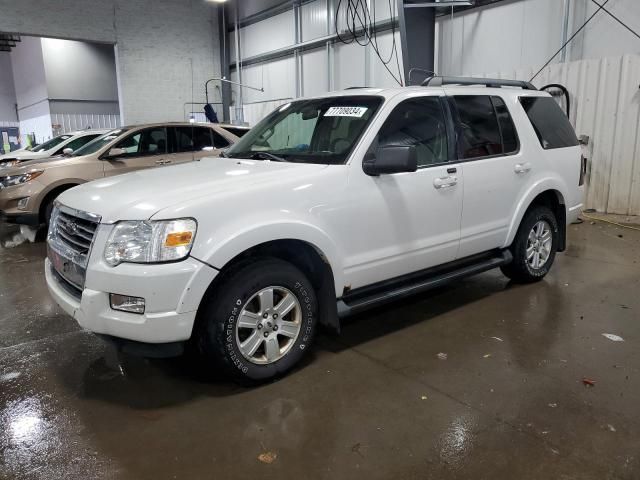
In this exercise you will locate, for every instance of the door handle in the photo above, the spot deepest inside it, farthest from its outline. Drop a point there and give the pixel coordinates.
(522, 167)
(445, 182)
(162, 161)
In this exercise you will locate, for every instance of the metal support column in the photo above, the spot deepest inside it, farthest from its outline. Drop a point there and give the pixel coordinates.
(297, 54)
(225, 61)
(239, 101)
(417, 36)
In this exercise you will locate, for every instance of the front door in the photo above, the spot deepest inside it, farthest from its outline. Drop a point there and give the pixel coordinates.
(141, 149)
(406, 222)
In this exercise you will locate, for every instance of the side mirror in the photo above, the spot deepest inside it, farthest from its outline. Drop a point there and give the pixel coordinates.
(391, 159)
(116, 152)
(67, 151)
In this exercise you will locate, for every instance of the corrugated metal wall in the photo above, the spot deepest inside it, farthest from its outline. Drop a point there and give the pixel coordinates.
(66, 122)
(605, 105)
(322, 69)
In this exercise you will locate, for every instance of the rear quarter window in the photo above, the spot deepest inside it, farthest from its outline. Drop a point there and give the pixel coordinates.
(549, 122)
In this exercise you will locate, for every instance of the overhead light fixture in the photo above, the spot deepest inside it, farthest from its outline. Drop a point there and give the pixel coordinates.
(217, 1)
(443, 3)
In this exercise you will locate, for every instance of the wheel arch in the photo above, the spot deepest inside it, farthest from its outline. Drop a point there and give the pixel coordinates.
(550, 196)
(52, 192)
(307, 257)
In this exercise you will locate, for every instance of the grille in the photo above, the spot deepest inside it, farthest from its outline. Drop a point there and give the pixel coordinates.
(74, 233)
(69, 243)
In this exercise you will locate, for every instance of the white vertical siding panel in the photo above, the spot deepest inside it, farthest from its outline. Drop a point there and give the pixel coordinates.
(314, 20)
(624, 159)
(605, 105)
(349, 66)
(314, 72)
(267, 35)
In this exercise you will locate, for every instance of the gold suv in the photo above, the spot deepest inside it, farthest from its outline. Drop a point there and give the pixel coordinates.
(27, 191)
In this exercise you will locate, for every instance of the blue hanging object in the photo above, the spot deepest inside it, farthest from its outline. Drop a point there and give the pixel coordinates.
(211, 114)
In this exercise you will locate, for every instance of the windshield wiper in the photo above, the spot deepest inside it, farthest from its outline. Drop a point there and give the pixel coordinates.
(266, 156)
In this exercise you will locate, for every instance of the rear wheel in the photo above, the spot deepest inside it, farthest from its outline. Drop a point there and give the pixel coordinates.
(260, 322)
(535, 246)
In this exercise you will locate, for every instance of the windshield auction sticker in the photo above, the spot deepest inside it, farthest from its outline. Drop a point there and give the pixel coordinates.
(346, 112)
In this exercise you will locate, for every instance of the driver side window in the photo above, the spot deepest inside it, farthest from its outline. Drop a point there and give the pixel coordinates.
(418, 122)
(295, 132)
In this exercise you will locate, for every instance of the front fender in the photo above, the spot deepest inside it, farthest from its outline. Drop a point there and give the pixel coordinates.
(540, 186)
(223, 245)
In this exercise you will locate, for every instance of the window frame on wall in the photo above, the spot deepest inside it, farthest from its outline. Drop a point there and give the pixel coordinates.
(451, 100)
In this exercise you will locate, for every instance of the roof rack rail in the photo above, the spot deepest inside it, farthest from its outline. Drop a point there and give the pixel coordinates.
(487, 82)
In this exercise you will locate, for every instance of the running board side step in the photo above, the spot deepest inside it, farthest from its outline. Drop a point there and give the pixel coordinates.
(355, 303)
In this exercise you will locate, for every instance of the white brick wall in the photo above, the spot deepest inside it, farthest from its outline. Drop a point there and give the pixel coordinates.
(164, 48)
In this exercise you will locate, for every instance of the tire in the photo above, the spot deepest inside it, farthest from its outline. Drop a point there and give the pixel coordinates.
(224, 338)
(47, 212)
(526, 268)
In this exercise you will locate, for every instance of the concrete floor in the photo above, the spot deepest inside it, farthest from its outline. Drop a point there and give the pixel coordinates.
(374, 403)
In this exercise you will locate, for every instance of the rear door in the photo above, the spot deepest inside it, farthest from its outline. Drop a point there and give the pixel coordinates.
(192, 143)
(495, 171)
(142, 149)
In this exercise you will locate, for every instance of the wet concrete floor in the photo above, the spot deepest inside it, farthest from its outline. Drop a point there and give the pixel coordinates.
(508, 402)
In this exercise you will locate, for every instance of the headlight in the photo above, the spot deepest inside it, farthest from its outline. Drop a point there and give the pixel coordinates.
(12, 180)
(150, 241)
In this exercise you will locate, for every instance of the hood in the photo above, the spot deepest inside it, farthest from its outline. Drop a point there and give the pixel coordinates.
(22, 155)
(139, 195)
(35, 164)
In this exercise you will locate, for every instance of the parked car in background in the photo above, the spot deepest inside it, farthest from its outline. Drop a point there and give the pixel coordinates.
(27, 190)
(238, 130)
(327, 207)
(62, 144)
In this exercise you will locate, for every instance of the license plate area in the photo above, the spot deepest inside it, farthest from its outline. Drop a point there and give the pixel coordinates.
(66, 268)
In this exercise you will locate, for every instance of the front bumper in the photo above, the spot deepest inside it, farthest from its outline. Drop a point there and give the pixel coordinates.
(172, 293)
(32, 219)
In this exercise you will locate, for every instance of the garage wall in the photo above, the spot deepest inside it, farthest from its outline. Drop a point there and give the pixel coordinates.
(7, 91)
(521, 33)
(329, 67)
(513, 39)
(605, 106)
(31, 88)
(81, 77)
(166, 49)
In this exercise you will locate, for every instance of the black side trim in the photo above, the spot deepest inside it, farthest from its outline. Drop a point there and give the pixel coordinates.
(148, 350)
(390, 290)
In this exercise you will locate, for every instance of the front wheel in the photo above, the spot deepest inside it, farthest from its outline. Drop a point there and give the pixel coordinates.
(260, 322)
(535, 246)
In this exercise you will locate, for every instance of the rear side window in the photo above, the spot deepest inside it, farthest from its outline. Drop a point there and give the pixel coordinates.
(550, 123)
(219, 141)
(478, 129)
(510, 141)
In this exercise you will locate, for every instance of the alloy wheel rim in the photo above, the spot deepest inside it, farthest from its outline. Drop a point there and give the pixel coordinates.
(268, 325)
(539, 245)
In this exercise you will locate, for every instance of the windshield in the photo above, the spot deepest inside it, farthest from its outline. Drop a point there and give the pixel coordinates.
(51, 143)
(309, 131)
(95, 145)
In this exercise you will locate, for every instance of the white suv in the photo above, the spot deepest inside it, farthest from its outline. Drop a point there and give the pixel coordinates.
(329, 206)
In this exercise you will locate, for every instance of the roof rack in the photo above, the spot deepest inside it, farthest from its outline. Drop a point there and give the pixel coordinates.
(487, 82)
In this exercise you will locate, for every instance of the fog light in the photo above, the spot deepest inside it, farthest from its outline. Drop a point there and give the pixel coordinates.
(125, 303)
(22, 203)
